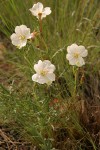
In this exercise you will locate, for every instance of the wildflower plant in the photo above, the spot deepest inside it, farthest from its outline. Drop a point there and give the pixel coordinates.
(40, 12)
(52, 63)
(21, 35)
(44, 72)
(75, 55)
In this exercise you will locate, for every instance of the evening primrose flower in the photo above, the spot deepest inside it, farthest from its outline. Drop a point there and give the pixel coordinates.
(75, 55)
(19, 38)
(44, 72)
(40, 12)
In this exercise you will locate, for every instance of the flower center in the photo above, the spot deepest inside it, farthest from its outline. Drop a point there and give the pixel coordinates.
(76, 55)
(22, 37)
(43, 72)
(40, 14)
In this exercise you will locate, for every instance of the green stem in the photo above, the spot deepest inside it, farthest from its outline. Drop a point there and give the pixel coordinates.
(75, 88)
(75, 82)
(44, 43)
(40, 25)
(41, 34)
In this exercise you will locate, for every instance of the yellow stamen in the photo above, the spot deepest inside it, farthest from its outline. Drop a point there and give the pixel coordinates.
(76, 55)
(22, 37)
(43, 72)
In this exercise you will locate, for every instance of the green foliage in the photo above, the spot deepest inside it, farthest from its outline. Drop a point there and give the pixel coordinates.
(29, 104)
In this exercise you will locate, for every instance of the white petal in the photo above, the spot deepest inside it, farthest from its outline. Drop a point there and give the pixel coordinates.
(51, 68)
(38, 67)
(23, 43)
(83, 52)
(35, 77)
(36, 9)
(51, 76)
(69, 56)
(47, 65)
(47, 10)
(72, 61)
(72, 49)
(23, 27)
(40, 61)
(80, 62)
(18, 30)
(39, 7)
(47, 62)
(43, 16)
(40, 79)
(27, 34)
(44, 66)
(23, 30)
(40, 64)
(15, 39)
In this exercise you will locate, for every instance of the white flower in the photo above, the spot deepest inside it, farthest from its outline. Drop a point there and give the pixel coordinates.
(44, 72)
(75, 55)
(40, 12)
(19, 38)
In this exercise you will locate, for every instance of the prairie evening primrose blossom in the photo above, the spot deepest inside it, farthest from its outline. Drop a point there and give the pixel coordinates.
(19, 38)
(75, 55)
(40, 12)
(44, 72)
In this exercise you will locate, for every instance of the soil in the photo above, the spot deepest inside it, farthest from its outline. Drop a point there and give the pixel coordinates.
(11, 140)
